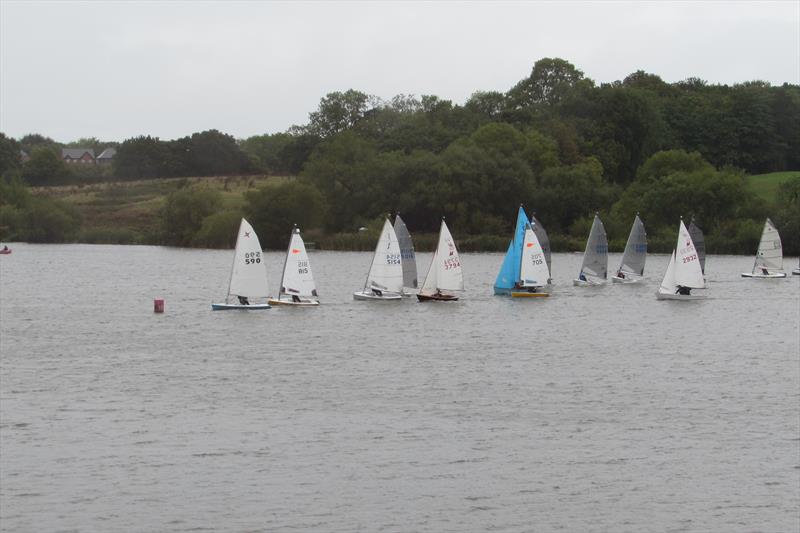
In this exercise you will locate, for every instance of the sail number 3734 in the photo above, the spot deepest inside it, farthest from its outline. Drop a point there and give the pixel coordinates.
(451, 263)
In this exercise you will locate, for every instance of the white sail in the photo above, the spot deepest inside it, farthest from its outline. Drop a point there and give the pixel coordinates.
(297, 277)
(450, 276)
(668, 285)
(595, 257)
(407, 253)
(770, 252)
(544, 240)
(445, 271)
(429, 285)
(249, 272)
(533, 265)
(386, 271)
(635, 255)
(687, 261)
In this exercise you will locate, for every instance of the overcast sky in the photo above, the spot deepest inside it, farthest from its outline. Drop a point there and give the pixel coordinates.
(114, 70)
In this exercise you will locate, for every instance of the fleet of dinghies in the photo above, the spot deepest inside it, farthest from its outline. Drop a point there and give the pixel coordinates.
(524, 273)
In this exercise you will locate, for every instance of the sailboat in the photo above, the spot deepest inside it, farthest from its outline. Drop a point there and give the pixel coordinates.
(595, 258)
(631, 268)
(407, 256)
(297, 283)
(769, 258)
(534, 273)
(509, 275)
(385, 276)
(684, 272)
(445, 272)
(796, 271)
(248, 273)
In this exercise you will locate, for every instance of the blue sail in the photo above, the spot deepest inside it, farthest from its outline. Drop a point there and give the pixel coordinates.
(509, 271)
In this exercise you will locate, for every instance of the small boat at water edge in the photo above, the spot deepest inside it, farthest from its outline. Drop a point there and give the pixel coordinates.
(248, 274)
(385, 277)
(631, 268)
(683, 273)
(769, 257)
(444, 274)
(297, 283)
(594, 268)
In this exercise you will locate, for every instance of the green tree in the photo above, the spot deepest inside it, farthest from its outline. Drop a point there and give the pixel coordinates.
(44, 168)
(142, 157)
(550, 81)
(185, 211)
(9, 154)
(338, 111)
(274, 209)
(218, 230)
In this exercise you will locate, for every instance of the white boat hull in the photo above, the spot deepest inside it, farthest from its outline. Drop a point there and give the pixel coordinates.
(615, 279)
(251, 307)
(587, 283)
(371, 296)
(303, 302)
(668, 296)
(796, 271)
(764, 276)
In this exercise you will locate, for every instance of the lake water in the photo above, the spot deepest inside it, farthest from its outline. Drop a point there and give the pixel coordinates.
(594, 410)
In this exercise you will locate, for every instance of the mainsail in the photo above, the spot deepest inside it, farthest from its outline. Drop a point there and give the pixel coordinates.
(595, 257)
(770, 252)
(386, 270)
(687, 261)
(407, 253)
(635, 254)
(297, 277)
(544, 240)
(249, 272)
(699, 243)
(533, 268)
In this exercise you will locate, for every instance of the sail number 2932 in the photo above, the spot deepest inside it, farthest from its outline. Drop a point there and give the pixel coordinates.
(252, 258)
(689, 258)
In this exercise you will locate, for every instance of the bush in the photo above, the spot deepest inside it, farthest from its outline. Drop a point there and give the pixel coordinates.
(219, 230)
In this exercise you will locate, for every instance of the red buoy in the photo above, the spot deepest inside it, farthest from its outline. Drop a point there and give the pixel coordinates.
(158, 306)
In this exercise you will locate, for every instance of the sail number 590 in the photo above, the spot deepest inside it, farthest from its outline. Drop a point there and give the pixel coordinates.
(252, 258)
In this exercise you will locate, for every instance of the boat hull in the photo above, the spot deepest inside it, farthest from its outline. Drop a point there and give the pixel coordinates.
(764, 276)
(302, 303)
(5, 252)
(525, 294)
(796, 271)
(628, 281)
(436, 297)
(587, 283)
(228, 307)
(369, 296)
(679, 297)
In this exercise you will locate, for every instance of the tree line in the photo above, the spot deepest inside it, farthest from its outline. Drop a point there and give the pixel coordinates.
(556, 141)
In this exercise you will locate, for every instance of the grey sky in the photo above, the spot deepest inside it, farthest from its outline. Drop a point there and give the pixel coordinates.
(114, 70)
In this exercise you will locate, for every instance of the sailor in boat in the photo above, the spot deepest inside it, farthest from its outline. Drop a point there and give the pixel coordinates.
(764, 271)
(685, 291)
(5, 248)
(295, 298)
(621, 274)
(377, 292)
(582, 276)
(243, 300)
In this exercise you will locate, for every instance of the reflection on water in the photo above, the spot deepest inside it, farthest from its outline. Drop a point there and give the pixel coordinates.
(594, 410)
